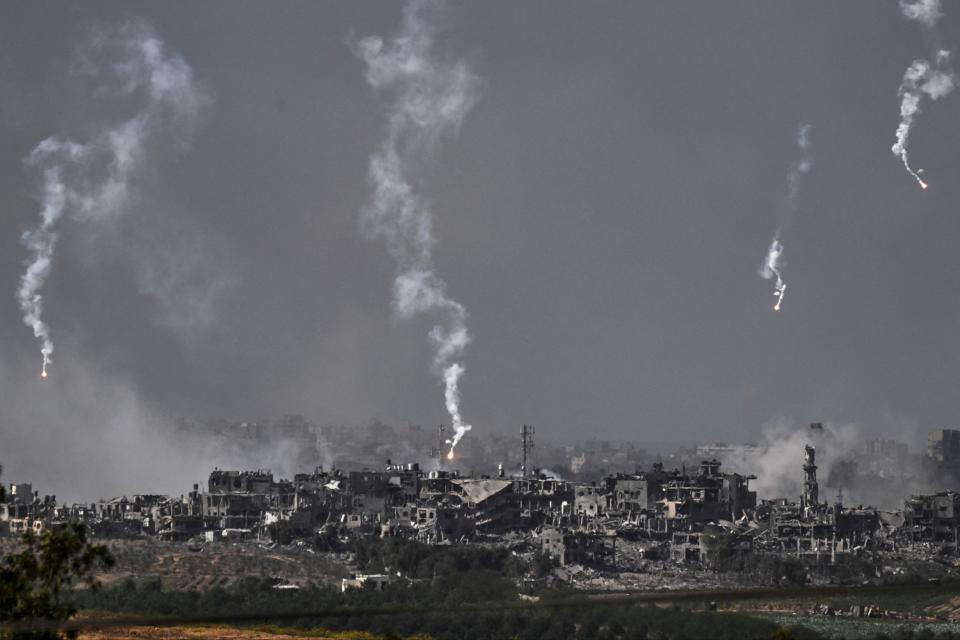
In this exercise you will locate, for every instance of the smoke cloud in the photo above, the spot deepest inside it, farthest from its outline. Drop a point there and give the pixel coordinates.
(926, 12)
(777, 460)
(922, 78)
(88, 433)
(428, 97)
(92, 181)
(774, 263)
(848, 461)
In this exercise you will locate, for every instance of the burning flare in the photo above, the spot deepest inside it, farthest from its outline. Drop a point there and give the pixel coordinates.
(773, 263)
(92, 181)
(922, 78)
(428, 97)
(771, 268)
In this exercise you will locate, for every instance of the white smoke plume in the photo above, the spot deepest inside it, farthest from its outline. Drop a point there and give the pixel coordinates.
(847, 458)
(922, 78)
(774, 263)
(127, 444)
(802, 166)
(91, 182)
(428, 97)
(926, 12)
(771, 268)
(777, 460)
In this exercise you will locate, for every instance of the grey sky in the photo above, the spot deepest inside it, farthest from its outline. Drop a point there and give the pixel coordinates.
(601, 214)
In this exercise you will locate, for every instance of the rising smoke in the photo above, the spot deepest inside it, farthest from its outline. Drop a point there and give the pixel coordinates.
(777, 459)
(89, 433)
(844, 465)
(428, 97)
(922, 78)
(774, 263)
(92, 182)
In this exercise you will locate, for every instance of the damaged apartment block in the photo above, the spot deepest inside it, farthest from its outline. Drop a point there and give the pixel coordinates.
(655, 514)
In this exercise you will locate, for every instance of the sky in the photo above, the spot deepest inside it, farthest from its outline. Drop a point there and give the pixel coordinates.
(600, 213)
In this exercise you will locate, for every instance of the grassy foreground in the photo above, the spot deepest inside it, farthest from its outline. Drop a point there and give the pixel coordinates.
(217, 632)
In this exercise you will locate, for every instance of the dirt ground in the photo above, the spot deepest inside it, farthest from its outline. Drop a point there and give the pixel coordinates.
(185, 633)
(221, 565)
(949, 609)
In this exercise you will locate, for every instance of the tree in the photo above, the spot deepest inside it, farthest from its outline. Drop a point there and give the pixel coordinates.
(35, 581)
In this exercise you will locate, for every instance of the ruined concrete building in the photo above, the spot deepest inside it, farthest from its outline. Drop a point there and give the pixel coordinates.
(943, 447)
(579, 547)
(811, 488)
(663, 502)
(695, 515)
(932, 518)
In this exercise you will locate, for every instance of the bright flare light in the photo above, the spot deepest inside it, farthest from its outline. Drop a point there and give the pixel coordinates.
(450, 455)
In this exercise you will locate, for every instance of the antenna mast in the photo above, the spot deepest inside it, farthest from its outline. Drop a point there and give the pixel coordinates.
(526, 437)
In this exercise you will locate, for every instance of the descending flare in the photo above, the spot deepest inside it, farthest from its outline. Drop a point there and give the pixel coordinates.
(771, 268)
(773, 263)
(922, 78)
(429, 97)
(92, 181)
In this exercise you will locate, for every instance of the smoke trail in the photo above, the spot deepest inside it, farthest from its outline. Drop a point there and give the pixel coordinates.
(428, 97)
(773, 263)
(921, 78)
(92, 181)
(802, 166)
(771, 267)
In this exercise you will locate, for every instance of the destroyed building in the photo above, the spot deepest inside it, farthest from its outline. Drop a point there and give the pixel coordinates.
(812, 527)
(943, 447)
(690, 514)
(666, 501)
(568, 547)
(932, 518)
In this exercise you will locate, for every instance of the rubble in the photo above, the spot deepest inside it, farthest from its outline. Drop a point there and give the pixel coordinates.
(651, 529)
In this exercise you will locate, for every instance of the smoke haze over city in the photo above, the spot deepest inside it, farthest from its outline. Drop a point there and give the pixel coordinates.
(600, 212)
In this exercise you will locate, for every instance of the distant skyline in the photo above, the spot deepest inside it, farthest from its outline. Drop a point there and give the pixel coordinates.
(600, 213)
